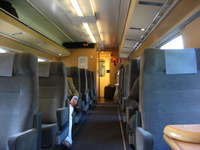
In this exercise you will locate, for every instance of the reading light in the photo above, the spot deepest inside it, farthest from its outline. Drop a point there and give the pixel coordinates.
(87, 28)
(77, 8)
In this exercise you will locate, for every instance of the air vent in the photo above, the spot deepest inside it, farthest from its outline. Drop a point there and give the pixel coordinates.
(150, 3)
(132, 40)
(141, 29)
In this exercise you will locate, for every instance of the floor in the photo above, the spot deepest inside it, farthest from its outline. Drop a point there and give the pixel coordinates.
(101, 128)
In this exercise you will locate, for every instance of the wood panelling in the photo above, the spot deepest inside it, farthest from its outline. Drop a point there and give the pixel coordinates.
(191, 34)
(72, 60)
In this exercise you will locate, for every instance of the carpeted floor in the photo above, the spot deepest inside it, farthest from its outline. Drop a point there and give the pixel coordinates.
(100, 130)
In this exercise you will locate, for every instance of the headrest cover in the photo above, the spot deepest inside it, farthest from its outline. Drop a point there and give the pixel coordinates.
(6, 64)
(43, 69)
(181, 61)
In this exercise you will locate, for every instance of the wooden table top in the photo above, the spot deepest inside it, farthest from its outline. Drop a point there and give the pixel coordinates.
(180, 145)
(187, 133)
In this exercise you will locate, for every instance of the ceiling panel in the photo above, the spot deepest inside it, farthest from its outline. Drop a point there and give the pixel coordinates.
(57, 20)
(144, 14)
(134, 34)
(129, 43)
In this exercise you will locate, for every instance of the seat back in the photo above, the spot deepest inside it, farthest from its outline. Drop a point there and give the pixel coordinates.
(18, 95)
(121, 85)
(52, 102)
(75, 74)
(53, 90)
(93, 83)
(84, 83)
(134, 69)
(121, 77)
(169, 96)
(90, 87)
(84, 89)
(126, 80)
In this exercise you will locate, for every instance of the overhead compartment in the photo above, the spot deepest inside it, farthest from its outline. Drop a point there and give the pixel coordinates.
(12, 28)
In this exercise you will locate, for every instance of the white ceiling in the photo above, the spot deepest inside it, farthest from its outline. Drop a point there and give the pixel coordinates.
(57, 20)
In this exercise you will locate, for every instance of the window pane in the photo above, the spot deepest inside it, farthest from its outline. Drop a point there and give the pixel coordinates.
(2, 50)
(176, 43)
(41, 60)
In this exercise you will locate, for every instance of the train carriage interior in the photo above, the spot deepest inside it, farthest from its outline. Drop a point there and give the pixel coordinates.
(99, 74)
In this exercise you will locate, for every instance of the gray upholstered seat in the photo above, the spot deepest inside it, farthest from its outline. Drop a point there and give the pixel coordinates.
(167, 95)
(125, 90)
(74, 73)
(94, 86)
(121, 85)
(134, 69)
(18, 101)
(52, 103)
(90, 87)
(84, 90)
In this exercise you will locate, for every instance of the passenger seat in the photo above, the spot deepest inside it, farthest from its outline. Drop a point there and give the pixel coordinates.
(19, 119)
(169, 93)
(53, 103)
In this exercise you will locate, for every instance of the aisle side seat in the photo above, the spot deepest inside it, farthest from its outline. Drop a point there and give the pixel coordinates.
(90, 87)
(19, 119)
(169, 93)
(126, 90)
(74, 74)
(84, 90)
(52, 103)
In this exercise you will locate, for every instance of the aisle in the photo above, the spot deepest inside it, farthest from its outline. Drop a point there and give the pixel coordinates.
(100, 130)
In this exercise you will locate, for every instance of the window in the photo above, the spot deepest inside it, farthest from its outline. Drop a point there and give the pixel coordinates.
(175, 43)
(2, 50)
(41, 60)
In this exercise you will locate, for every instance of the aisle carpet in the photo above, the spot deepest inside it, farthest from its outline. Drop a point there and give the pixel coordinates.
(99, 130)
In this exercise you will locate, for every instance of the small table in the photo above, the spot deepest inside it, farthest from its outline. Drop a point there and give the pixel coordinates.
(183, 137)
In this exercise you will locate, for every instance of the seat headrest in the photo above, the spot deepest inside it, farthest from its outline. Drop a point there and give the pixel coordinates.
(69, 72)
(75, 71)
(46, 69)
(135, 63)
(6, 64)
(181, 61)
(43, 69)
(184, 61)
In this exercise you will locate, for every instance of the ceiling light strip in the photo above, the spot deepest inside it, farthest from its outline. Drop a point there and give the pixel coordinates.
(87, 28)
(77, 8)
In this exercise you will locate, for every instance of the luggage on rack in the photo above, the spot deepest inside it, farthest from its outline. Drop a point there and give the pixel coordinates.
(8, 7)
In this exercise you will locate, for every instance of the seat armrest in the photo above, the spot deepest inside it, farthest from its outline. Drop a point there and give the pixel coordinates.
(67, 102)
(123, 109)
(144, 140)
(38, 125)
(138, 122)
(85, 97)
(130, 111)
(62, 117)
(19, 141)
